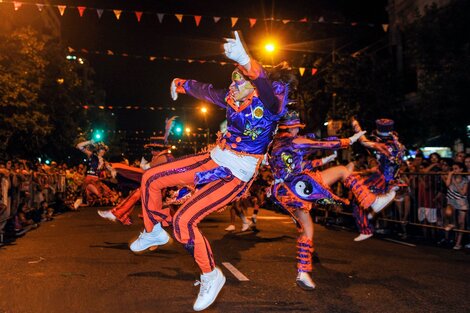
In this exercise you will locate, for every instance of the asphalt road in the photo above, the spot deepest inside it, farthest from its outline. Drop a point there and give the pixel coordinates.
(81, 263)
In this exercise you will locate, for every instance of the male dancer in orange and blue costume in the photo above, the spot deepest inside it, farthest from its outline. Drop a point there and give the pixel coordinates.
(389, 152)
(297, 185)
(254, 105)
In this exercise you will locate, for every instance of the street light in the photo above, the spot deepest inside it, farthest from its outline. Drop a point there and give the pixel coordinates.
(270, 47)
(204, 110)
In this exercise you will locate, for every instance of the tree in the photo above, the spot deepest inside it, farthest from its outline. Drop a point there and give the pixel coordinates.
(21, 76)
(42, 96)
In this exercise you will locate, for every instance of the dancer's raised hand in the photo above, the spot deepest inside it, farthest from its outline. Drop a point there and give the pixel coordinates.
(235, 50)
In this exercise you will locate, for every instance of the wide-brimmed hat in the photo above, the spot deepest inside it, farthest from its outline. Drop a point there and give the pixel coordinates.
(384, 126)
(157, 143)
(291, 120)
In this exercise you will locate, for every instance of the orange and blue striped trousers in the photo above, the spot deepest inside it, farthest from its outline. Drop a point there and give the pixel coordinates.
(210, 198)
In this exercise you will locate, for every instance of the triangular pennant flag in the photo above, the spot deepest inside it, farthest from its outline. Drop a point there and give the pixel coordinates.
(109, 52)
(179, 17)
(314, 71)
(84, 50)
(152, 58)
(71, 49)
(234, 20)
(285, 21)
(61, 9)
(99, 12)
(81, 10)
(223, 63)
(125, 55)
(353, 23)
(304, 20)
(385, 27)
(160, 17)
(117, 13)
(301, 71)
(252, 22)
(138, 14)
(216, 19)
(17, 5)
(190, 61)
(40, 6)
(202, 61)
(321, 19)
(197, 19)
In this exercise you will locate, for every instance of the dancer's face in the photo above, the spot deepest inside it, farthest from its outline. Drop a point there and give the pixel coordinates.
(240, 88)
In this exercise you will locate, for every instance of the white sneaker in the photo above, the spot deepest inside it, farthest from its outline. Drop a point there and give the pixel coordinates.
(230, 228)
(107, 214)
(211, 284)
(305, 281)
(157, 237)
(246, 226)
(362, 237)
(382, 201)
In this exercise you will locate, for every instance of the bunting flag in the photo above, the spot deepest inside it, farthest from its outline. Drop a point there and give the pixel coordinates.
(197, 19)
(81, 10)
(138, 14)
(152, 58)
(61, 9)
(234, 21)
(117, 13)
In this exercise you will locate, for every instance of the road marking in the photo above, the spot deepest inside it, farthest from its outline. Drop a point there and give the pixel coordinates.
(235, 272)
(400, 242)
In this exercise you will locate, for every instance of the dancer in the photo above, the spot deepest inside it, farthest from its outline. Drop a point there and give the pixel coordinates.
(389, 153)
(297, 185)
(160, 154)
(254, 105)
(95, 189)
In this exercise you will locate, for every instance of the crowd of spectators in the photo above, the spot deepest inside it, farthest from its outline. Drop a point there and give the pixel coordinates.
(435, 196)
(433, 202)
(35, 193)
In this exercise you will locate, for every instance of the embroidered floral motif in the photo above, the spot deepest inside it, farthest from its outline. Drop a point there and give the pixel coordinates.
(252, 132)
(258, 112)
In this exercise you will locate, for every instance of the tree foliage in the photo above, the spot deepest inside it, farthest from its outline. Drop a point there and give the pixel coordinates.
(41, 96)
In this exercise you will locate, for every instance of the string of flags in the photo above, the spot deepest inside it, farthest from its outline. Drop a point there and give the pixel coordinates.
(136, 107)
(17, 5)
(302, 70)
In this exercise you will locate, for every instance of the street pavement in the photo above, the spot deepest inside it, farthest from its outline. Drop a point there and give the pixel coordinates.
(81, 263)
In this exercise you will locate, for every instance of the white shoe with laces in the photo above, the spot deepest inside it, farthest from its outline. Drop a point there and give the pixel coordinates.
(382, 201)
(107, 214)
(246, 226)
(211, 284)
(362, 237)
(157, 237)
(305, 281)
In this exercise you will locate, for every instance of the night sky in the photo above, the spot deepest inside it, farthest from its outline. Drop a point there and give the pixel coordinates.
(137, 81)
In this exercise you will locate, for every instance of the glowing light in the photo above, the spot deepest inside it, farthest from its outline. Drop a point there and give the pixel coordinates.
(60, 81)
(204, 110)
(326, 123)
(188, 130)
(270, 47)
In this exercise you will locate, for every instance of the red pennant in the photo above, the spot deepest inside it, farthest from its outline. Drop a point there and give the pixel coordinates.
(304, 20)
(81, 10)
(252, 22)
(197, 19)
(314, 71)
(138, 14)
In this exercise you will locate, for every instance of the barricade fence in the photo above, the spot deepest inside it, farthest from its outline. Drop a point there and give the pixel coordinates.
(422, 203)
